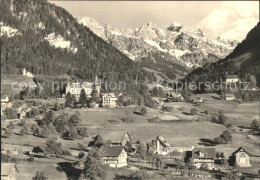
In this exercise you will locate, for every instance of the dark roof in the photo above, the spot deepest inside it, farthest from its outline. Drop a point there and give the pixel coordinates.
(239, 149)
(110, 151)
(3, 96)
(232, 77)
(114, 136)
(208, 153)
(6, 168)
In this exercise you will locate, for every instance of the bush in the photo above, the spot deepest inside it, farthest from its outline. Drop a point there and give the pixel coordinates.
(193, 111)
(154, 120)
(66, 152)
(81, 155)
(143, 111)
(167, 108)
(10, 125)
(128, 119)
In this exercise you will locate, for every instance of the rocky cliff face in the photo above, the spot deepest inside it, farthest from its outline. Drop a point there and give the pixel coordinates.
(177, 43)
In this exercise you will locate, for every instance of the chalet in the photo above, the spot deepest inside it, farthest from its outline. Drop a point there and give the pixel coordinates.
(202, 156)
(117, 138)
(8, 171)
(75, 88)
(161, 146)
(114, 156)
(4, 99)
(230, 96)
(174, 97)
(108, 99)
(231, 78)
(241, 157)
(27, 73)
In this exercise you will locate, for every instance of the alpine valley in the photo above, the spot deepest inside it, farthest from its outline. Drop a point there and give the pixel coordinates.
(176, 48)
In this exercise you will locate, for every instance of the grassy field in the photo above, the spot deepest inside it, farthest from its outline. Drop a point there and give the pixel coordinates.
(177, 133)
(16, 80)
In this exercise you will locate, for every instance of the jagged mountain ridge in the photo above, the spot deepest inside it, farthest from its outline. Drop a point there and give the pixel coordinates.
(243, 61)
(187, 46)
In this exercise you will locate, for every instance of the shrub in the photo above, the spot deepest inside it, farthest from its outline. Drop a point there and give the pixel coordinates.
(167, 108)
(143, 111)
(128, 119)
(154, 120)
(81, 155)
(193, 111)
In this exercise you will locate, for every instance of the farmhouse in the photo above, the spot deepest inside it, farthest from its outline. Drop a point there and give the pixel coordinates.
(4, 99)
(241, 157)
(114, 156)
(7, 171)
(230, 96)
(161, 146)
(108, 99)
(174, 97)
(117, 138)
(27, 73)
(202, 156)
(75, 88)
(231, 79)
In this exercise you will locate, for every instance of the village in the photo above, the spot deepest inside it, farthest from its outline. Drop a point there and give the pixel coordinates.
(195, 137)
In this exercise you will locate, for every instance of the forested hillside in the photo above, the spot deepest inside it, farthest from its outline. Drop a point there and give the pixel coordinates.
(46, 39)
(243, 61)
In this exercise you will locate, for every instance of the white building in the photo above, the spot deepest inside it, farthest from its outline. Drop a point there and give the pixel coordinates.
(8, 171)
(75, 88)
(108, 99)
(114, 156)
(231, 79)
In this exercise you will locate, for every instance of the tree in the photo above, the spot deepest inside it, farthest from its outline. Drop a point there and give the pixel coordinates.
(68, 102)
(37, 150)
(98, 142)
(35, 129)
(82, 97)
(193, 111)
(222, 119)
(39, 176)
(255, 124)
(219, 140)
(94, 96)
(93, 167)
(83, 131)
(159, 162)
(143, 111)
(53, 147)
(252, 80)
(10, 113)
(81, 155)
(226, 135)
(24, 130)
(10, 125)
(57, 106)
(47, 119)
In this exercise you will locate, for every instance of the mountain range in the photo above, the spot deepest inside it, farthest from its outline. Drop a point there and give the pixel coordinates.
(178, 44)
(243, 61)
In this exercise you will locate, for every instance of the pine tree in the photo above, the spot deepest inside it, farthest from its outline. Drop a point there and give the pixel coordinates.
(68, 100)
(83, 97)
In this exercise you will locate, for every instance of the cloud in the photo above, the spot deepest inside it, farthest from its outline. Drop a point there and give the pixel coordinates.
(233, 20)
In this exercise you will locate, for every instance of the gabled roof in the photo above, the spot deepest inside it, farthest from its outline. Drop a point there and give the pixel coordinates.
(239, 149)
(232, 77)
(114, 136)
(6, 168)
(163, 141)
(110, 151)
(209, 153)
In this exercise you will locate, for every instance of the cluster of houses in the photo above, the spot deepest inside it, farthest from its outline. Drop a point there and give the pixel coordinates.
(107, 99)
(115, 155)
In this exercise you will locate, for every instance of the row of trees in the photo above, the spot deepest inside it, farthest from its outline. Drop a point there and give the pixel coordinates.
(64, 124)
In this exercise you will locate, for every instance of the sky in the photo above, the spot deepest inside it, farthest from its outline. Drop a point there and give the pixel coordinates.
(227, 19)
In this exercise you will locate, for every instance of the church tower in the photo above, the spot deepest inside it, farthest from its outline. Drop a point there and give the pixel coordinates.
(97, 85)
